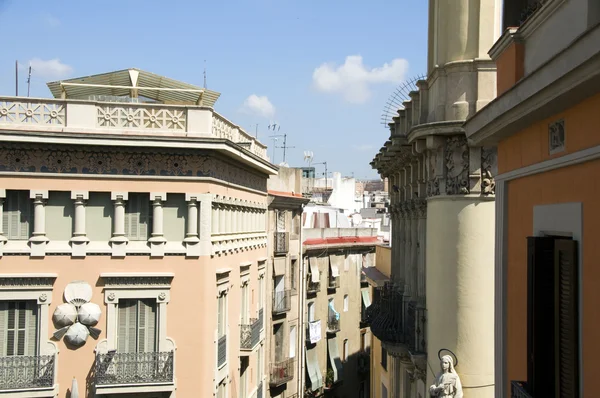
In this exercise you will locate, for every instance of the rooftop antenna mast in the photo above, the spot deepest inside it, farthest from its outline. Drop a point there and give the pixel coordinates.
(308, 157)
(29, 80)
(205, 74)
(326, 182)
(17, 78)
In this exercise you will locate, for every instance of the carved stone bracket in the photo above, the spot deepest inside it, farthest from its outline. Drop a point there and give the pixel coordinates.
(457, 165)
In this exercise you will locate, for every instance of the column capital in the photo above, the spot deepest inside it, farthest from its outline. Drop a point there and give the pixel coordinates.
(38, 193)
(85, 195)
(119, 195)
(158, 196)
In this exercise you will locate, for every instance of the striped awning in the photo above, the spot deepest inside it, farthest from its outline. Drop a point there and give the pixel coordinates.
(334, 359)
(314, 371)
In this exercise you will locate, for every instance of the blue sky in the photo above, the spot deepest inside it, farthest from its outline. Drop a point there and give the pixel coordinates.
(323, 70)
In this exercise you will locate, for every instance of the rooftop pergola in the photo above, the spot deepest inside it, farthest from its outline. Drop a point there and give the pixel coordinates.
(134, 83)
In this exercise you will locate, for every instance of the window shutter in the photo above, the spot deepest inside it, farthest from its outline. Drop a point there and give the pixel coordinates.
(25, 210)
(31, 315)
(220, 316)
(566, 294)
(127, 323)
(3, 330)
(5, 220)
(146, 326)
(134, 217)
(11, 329)
(540, 316)
(144, 217)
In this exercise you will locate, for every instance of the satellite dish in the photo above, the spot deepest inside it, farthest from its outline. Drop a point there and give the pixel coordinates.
(395, 101)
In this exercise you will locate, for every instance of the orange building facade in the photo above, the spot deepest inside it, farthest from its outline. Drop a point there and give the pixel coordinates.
(544, 124)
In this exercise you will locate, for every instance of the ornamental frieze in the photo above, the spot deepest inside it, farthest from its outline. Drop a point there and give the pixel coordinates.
(91, 160)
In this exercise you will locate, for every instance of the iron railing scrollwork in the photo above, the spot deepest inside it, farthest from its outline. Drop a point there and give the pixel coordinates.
(250, 334)
(387, 323)
(281, 242)
(222, 350)
(281, 301)
(281, 372)
(530, 8)
(26, 372)
(114, 368)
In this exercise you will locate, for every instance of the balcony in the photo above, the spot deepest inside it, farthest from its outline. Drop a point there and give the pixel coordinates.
(333, 324)
(518, 389)
(281, 242)
(117, 372)
(250, 335)
(312, 287)
(31, 373)
(281, 372)
(105, 117)
(222, 351)
(261, 318)
(281, 301)
(333, 282)
(387, 315)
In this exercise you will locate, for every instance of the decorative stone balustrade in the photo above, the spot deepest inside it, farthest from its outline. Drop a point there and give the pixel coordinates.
(34, 114)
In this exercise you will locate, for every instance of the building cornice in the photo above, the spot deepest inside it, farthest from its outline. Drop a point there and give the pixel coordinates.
(568, 78)
(509, 37)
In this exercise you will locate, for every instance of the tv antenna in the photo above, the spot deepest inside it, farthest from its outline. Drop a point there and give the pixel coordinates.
(396, 101)
(205, 74)
(308, 157)
(325, 164)
(29, 80)
(277, 127)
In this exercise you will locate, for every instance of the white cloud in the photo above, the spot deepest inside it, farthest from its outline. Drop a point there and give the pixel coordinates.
(51, 68)
(259, 105)
(353, 79)
(51, 21)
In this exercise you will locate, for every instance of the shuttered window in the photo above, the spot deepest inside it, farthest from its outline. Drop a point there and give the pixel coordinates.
(552, 317)
(278, 341)
(281, 221)
(137, 326)
(138, 217)
(18, 328)
(17, 215)
(221, 315)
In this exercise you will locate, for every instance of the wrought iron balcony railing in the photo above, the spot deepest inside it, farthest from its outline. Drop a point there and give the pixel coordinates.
(530, 9)
(222, 351)
(281, 372)
(334, 282)
(312, 287)
(114, 368)
(281, 301)
(333, 324)
(518, 389)
(250, 334)
(387, 323)
(26, 372)
(415, 327)
(281, 240)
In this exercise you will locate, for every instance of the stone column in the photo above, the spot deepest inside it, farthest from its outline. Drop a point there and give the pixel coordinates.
(215, 218)
(234, 219)
(119, 240)
(421, 244)
(192, 240)
(228, 217)
(39, 239)
(3, 238)
(157, 240)
(222, 209)
(79, 240)
(460, 262)
(414, 248)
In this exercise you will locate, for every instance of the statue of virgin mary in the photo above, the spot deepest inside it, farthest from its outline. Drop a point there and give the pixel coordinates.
(447, 383)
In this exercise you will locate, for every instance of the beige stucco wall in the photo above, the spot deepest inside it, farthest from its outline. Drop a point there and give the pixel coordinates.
(460, 288)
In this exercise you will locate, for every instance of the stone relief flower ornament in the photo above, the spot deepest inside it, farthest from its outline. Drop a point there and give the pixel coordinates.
(75, 319)
(447, 383)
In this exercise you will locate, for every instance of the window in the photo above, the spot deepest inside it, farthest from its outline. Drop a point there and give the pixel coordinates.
(278, 341)
(18, 328)
(293, 268)
(345, 303)
(221, 390)
(17, 215)
(221, 315)
(245, 309)
(281, 221)
(293, 341)
(244, 364)
(383, 358)
(363, 341)
(138, 217)
(345, 351)
(137, 326)
(261, 292)
(552, 316)
(259, 361)
(311, 311)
